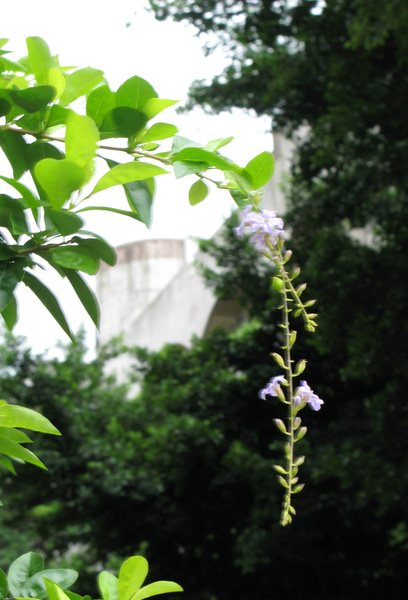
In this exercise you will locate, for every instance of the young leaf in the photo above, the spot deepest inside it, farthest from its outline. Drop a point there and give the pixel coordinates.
(108, 585)
(156, 588)
(33, 99)
(12, 415)
(126, 173)
(10, 448)
(154, 106)
(134, 93)
(260, 169)
(198, 192)
(7, 464)
(65, 222)
(3, 585)
(40, 58)
(159, 131)
(79, 83)
(99, 103)
(81, 138)
(183, 168)
(49, 300)
(10, 314)
(217, 144)
(212, 158)
(122, 121)
(35, 587)
(54, 590)
(59, 179)
(131, 576)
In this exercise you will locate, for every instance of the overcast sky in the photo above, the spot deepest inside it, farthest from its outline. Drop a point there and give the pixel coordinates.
(123, 40)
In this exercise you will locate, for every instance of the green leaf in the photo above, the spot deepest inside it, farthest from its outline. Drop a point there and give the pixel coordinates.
(65, 222)
(49, 300)
(100, 248)
(126, 173)
(14, 434)
(40, 58)
(108, 585)
(260, 169)
(10, 314)
(134, 93)
(139, 195)
(59, 179)
(80, 83)
(125, 213)
(131, 576)
(14, 147)
(180, 142)
(30, 200)
(159, 131)
(57, 79)
(154, 106)
(99, 103)
(58, 116)
(3, 585)
(212, 158)
(12, 415)
(198, 192)
(217, 144)
(35, 587)
(7, 464)
(10, 448)
(22, 569)
(10, 275)
(80, 259)
(33, 99)
(85, 294)
(54, 590)
(122, 122)
(183, 168)
(81, 139)
(156, 588)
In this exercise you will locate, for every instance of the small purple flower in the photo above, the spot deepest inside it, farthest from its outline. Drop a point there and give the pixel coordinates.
(262, 224)
(271, 388)
(305, 395)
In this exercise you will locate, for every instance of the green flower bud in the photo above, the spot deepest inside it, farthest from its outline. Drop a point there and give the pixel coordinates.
(280, 425)
(301, 434)
(298, 488)
(279, 360)
(278, 284)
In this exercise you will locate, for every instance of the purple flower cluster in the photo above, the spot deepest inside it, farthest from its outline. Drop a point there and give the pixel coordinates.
(271, 388)
(263, 224)
(304, 395)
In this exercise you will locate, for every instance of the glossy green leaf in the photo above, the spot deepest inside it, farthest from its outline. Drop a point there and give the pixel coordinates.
(212, 158)
(154, 106)
(54, 590)
(22, 569)
(139, 195)
(156, 588)
(5, 103)
(126, 173)
(12, 415)
(159, 131)
(80, 83)
(65, 222)
(40, 58)
(58, 116)
(99, 103)
(57, 80)
(85, 295)
(7, 464)
(183, 168)
(19, 224)
(34, 98)
(217, 144)
(198, 192)
(122, 122)
(99, 247)
(9, 278)
(3, 585)
(134, 93)
(81, 139)
(260, 169)
(39, 150)
(30, 200)
(180, 142)
(49, 300)
(14, 450)
(35, 587)
(14, 147)
(59, 179)
(131, 576)
(80, 259)
(118, 211)
(10, 314)
(14, 434)
(108, 585)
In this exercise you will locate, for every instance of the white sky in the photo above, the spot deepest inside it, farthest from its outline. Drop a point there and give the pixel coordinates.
(94, 33)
